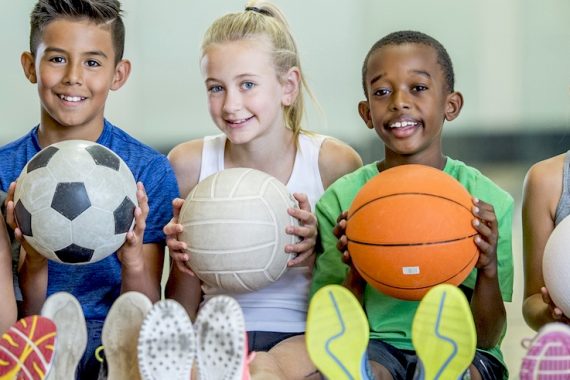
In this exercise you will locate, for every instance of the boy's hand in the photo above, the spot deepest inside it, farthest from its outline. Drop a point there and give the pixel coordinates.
(176, 248)
(306, 230)
(130, 253)
(556, 313)
(485, 223)
(33, 258)
(354, 281)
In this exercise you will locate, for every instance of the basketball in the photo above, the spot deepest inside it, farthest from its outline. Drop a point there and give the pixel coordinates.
(75, 202)
(556, 265)
(234, 225)
(409, 229)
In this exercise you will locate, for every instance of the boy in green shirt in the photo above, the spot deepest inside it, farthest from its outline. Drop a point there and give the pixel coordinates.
(408, 81)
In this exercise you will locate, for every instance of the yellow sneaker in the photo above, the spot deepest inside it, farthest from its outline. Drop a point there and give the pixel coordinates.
(443, 334)
(337, 334)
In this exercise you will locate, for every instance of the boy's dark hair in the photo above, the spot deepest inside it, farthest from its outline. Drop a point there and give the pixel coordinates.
(107, 12)
(413, 37)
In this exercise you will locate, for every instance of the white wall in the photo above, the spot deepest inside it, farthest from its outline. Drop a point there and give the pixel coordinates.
(512, 62)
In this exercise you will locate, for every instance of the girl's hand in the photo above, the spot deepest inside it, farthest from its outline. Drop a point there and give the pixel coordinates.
(306, 230)
(555, 312)
(176, 248)
(485, 223)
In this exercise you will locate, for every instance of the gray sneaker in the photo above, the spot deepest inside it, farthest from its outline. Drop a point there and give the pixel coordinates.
(120, 335)
(167, 343)
(66, 312)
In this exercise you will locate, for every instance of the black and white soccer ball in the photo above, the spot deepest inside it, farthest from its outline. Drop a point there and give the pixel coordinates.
(75, 202)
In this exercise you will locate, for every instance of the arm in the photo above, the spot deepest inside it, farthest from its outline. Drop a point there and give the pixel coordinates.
(182, 285)
(141, 268)
(8, 313)
(487, 304)
(541, 193)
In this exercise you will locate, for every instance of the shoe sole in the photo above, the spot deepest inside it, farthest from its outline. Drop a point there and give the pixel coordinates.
(120, 335)
(549, 355)
(220, 331)
(66, 312)
(167, 344)
(27, 349)
(443, 333)
(337, 334)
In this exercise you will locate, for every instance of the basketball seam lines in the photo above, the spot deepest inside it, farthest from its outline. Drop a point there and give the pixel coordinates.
(411, 244)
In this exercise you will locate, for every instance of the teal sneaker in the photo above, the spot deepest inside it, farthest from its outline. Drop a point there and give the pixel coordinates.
(443, 334)
(337, 334)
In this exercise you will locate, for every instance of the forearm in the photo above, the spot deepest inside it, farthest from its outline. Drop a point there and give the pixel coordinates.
(536, 313)
(489, 312)
(142, 272)
(185, 289)
(33, 279)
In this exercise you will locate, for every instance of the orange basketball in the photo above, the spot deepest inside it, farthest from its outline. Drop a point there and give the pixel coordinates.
(409, 229)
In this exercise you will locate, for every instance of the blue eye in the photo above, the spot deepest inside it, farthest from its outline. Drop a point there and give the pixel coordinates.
(248, 85)
(215, 89)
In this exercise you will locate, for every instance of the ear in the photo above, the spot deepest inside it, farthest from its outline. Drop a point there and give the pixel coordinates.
(453, 106)
(290, 83)
(28, 64)
(122, 72)
(364, 112)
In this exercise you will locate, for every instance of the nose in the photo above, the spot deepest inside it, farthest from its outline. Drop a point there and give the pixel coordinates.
(73, 74)
(232, 101)
(399, 100)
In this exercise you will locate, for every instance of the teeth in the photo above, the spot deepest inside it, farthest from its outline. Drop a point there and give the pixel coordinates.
(403, 124)
(71, 98)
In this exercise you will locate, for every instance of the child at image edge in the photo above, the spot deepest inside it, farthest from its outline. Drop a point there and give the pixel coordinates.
(254, 84)
(75, 58)
(408, 81)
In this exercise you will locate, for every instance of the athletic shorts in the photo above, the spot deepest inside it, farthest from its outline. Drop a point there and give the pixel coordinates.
(265, 340)
(402, 363)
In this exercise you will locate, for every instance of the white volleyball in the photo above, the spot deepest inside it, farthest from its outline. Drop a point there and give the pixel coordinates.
(556, 266)
(234, 224)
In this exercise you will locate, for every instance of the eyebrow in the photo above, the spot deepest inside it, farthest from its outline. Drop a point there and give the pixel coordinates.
(419, 72)
(88, 53)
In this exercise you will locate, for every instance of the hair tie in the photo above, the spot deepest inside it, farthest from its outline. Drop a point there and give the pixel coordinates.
(258, 10)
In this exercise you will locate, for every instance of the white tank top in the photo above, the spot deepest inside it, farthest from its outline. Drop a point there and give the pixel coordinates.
(281, 306)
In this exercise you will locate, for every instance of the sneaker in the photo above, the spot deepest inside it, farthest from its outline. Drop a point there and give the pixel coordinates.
(548, 356)
(443, 334)
(120, 335)
(27, 349)
(167, 343)
(65, 311)
(337, 334)
(222, 343)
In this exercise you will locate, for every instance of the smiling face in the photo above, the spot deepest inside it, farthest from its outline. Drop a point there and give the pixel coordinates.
(245, 95)
(408, 102)
(74, 70)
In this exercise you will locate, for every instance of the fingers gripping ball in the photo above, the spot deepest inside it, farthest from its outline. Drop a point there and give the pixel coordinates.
(409, 229)
(556, 265)
(75, 202)
(234, 225)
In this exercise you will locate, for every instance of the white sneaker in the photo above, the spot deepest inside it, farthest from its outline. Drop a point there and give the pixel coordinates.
(120, 335)
(548, 356)
(167, 343)
(222, 343)
(66, 312)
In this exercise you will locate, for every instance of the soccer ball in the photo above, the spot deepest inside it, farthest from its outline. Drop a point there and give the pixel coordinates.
(234, 224)
(75, 202)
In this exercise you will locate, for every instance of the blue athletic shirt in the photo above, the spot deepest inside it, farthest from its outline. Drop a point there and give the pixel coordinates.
(97, 285)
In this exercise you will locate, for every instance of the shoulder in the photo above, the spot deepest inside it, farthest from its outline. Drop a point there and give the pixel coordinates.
(186, 161)
(543, 182)
(336, 159)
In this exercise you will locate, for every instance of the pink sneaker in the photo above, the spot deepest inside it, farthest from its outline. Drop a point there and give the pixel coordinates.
(548, 357)
(27, 349)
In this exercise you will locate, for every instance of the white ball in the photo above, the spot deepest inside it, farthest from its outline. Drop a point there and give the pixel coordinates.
(556, 266)
(75, 201)
(234, 224)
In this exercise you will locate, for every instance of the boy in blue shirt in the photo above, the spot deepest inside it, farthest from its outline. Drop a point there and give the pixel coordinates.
(75, 58)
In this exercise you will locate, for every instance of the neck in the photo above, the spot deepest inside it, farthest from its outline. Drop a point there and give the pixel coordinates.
(50, 132)
(437, 161)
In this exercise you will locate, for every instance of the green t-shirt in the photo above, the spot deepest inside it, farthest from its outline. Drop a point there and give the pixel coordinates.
(390, 319)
